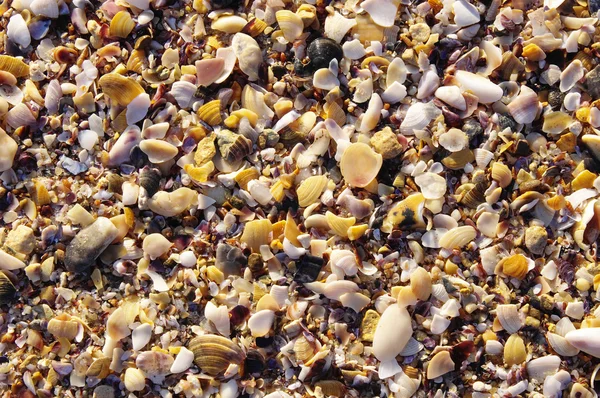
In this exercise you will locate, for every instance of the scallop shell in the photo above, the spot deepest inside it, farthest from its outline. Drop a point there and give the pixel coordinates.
(290, 24)
(360, 174)
(339, 225)
(458, 237)
(213, 354)
(439, 365)
(257, 233)
(121, 25)
(310, 190)
(509, 317)
(63, 327)
(515, 352)
(7, 289)
(13, 65)
(119, 88)
(407, 213)
(515, 266)
(134, 380)
(211, 112)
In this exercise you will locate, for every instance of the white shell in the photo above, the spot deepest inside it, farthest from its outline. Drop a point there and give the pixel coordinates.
(290, 24)
(354, 49)
(439, 365)
(17, 31)
(229, 24)
(334, 290)
(183, 361)
(45, 8)
(509, 318)
(418, 116)
(454, 140)
(227, 54)
(371, 116)
(219, 316)
(87, 139)
(183, 92)
(571, 75)
(354, 300)
(248, 53)
(465, 13)
(432, 186)
(394, 93)
(458, 237)
(541, 367)
(561, 345)
(383, 12)
(134, 380)
(157, 131)
(53, 95)
(396, 72)
(137, 108)
(141, 336)
(483, 157)
(155, 245)
(429, 82)
(493, 56)
(439, 324)
(336, 26)
(524, 108)
(486, 91)
(10, 263)
(363, 91)
(116, 325)
(392, 332)
(260, 323)
(325, 79)
(586, 340)
(19, 116)
(452, 96)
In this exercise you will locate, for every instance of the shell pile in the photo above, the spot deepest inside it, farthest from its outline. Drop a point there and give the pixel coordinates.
(307, 198)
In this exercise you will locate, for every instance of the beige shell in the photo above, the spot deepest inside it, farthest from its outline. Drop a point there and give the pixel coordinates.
(119, 88)
(332, 388)
(254, 27)
(502, 174)
(420, 283)
(257, 233)
(304, 349)
(134, 380)
(116, 325)
(290, 24)
(291, 230)
(100, 368)
(439, 365)
(211, 112)
(458, 160)
(311, 189)
(514, 350)
(154, 363)
(508, 316)
(213, 354)
(63, 326)
(458, 237)
(14, 66)
(137, 61)
(339, 225)
(360, 173)
(121, 25)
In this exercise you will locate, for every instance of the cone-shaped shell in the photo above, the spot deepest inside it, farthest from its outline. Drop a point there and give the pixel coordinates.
(119, 88)
(213, 354)
(360, 164)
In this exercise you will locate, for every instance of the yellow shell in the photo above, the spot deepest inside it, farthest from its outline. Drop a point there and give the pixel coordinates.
(200, 173)
(121, 25)
(533, 52)
(255, 27)
(458, 237)
(375, 59)
(514, 266)
(357, 231)
(339, 225)
(310, 190)
(458, 160)
(40, 194)
(585, 179)
(291, 231)
(245, 176)
(557, 202)
(334, 111)
(119, 88)
(234, 118)
(420, 283)
(307, 13)
(63, 327)
(366, 29)
(14, 65)
(213, 354)
(290, 24)
(277, 191)
(407, 213)
(360, 164)
(136, 61)
(556, 122)
(515, 352)
(502, 174)
(211, 112)
(257, 233)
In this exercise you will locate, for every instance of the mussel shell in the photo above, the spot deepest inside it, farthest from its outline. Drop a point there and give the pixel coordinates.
(322, 50)
(7, 289)
(150, 180)
(213, 354)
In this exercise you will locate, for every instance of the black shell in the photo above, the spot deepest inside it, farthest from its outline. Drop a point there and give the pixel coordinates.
(150, 180)
(322, 50)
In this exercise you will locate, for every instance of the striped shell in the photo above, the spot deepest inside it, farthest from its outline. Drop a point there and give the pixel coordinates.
(213, 354)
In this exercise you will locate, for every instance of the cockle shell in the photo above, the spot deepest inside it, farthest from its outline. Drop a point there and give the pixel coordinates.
(257, 233)
(134, 380)
(310, 190)
(119, 88)
(213, 354)
(211, 112)
(121, 24)
(360, 174)
(392, 332)
(458, 237)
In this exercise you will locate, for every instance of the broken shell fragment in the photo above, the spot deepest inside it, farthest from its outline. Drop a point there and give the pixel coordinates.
(439, 365)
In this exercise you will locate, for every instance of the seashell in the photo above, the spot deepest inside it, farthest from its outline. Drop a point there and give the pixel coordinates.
(508, 316)
(396, 72)
(458, 160)
(363, 91)
(8, 150)
(290, 24)
(134, 380)
(418, 116)
(249, 55)
(561, 345)
(183, 361)
(372, 115)
(332, 388)
(208, 70)
(53, 96)
(336, 26)
(428, 83)
(482, 157)
(533, 52)
(571, 75)
(121, 25)
(324, 79)
(14, 66)
(154, 364)
(339, 225)
(65, 55)
(7, 290)
(257, 233)
(450, 95)
(420, 283)
(233, 147)
(432, 186)
(45, 8)
(158, 151)
(116, 325)
(366, 30)
(486, 91)
(514, 266)
(515, 352)
(137, 108)
(17, 31)
(255, 27)
(487, 224)
(62, 326)
(213, 354)
(155, 245)
(454, 140)
(229, 24)
(308, 14)
(260, 323)
(20, 116)
(407, 213)
(439, 365)
(524, 108)
(360, 174)
(141, 336)
(539, 368)
(585, 340)
(170, 204)
(245, 176)
(150, 180)
(502, 174)
(556, 122)
(392, 333)
(183, 92)
(458, 237)
(119, 88)
(211, 112)
(310, 190)
(383, 12)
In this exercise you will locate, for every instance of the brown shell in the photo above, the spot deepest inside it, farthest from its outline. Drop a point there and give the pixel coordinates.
(7, 289)
(475, 196)
(233, 147)
(213, 354)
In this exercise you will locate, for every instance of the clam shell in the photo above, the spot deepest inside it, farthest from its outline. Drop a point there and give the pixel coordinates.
(158, 151)
(360, 174)
(17, 31)
(209, 70)
(458, 160)
(458, 237)
(121, 25)
(119, 88)
(183, 92)
(556, 122)
(454, 140)
(539, 368)
(53, 96)
(229, 24)
(439, 365)
(433, 186)
(585, 340)
(257, 233)
(63, 327)
(502, 174)
(260, 323)
(213, 354)
(515, 352)
(561, 345)
(396, 72)
(310, 190)
(46, 8)
(383, 12)
(509, 317)
(290, 24)
(450, 95)
(254, 27)
(418, 116)
(134, 380)
(486, 91)
(392, 333)
(211, 112)
(524, 108)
